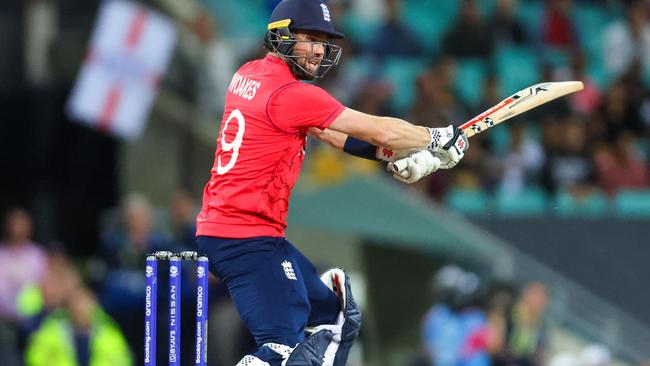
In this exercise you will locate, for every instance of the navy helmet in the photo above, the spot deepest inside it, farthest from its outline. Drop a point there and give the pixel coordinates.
(290, 16)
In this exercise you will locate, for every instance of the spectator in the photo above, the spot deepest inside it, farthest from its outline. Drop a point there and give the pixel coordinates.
(124, 249)
(499, 306)
(435, 101)
(523, 163)
(568, 162)
(478, 168)
(490, 165)
(628, 41)
(22, 262)
(525, 339)
(127, 244)
(621, 166)
(507, 28)
(182, 212)
(636, 97)
(455, 330)
(394, 38)
(217, 66)
(558, 29)
(38, 302)
(469, 36)
(373, 97)
(79, 333)
(587, 101)
(615, 114)
(59, 282)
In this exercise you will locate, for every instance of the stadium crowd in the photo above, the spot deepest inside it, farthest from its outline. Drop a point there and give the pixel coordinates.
(435, 62)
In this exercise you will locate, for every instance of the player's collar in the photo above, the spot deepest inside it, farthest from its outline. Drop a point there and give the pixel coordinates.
(274, 59)
(278, 61)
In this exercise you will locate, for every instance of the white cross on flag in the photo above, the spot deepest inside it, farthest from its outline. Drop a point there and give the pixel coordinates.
(129, 51)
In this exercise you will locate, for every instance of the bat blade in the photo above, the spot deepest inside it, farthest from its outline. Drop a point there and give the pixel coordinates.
(518, 103)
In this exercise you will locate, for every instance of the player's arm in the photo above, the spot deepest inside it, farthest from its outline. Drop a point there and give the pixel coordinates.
(414, 165)
(355, 146)
(432, 148)
(393, 133)
(333, 138)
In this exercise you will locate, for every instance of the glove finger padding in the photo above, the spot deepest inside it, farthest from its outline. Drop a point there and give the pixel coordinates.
(412, 168)
(449, 158)
(427, 161)
(411, 173)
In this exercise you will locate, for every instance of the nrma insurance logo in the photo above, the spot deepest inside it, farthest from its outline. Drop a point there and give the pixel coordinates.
(149, 271)
(173, 271)
(200, 272)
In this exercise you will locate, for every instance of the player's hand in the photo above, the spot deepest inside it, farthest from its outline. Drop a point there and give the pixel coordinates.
(448, 144)
(413, 167)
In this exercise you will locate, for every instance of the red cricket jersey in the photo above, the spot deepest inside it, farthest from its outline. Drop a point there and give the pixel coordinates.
(260, 149)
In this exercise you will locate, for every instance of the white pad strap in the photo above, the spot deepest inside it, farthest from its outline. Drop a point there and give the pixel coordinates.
(336, 329)
(280, 349)
(330, 353)
(249, 360)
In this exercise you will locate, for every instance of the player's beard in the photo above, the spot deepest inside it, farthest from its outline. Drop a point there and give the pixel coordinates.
(298, 70)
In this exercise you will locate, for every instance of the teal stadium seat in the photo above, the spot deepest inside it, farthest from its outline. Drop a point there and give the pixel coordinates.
(529, 14)
(240, 19)
(500, 139)
(467, 201)
(359, 29)
(591, 20)
(595, 204)
(357, 68)
(517, 68)
(402, 74)
(470, 77)
(531, 201)
(556, 57)
(631, 203)
(429, 20)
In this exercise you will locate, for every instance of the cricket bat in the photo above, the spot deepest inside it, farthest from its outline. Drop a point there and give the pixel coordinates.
(516, 104)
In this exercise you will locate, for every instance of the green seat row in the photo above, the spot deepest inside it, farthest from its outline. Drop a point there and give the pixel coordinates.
(535, 202)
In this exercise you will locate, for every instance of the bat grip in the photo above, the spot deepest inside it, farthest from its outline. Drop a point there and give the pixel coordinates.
(399, 167)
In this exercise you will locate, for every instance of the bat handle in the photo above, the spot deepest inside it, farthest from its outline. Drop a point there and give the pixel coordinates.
(399, 167)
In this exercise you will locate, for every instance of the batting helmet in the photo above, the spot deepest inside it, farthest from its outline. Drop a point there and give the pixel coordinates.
(290, 16)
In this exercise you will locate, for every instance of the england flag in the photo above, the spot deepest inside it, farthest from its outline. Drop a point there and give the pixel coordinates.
(128, 54)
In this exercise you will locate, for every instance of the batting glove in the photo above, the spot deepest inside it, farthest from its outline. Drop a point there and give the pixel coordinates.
(413, 167)
(448, 144)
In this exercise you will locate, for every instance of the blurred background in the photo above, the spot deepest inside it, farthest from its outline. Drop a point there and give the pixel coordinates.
(533, 251)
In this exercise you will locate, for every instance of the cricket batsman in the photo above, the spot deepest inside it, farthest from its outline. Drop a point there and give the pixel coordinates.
(296, 316)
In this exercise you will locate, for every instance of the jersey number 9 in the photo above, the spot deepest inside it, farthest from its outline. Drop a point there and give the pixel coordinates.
(231, 146)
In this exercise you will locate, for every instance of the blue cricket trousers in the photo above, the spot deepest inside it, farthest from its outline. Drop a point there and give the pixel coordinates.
(275, 288)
